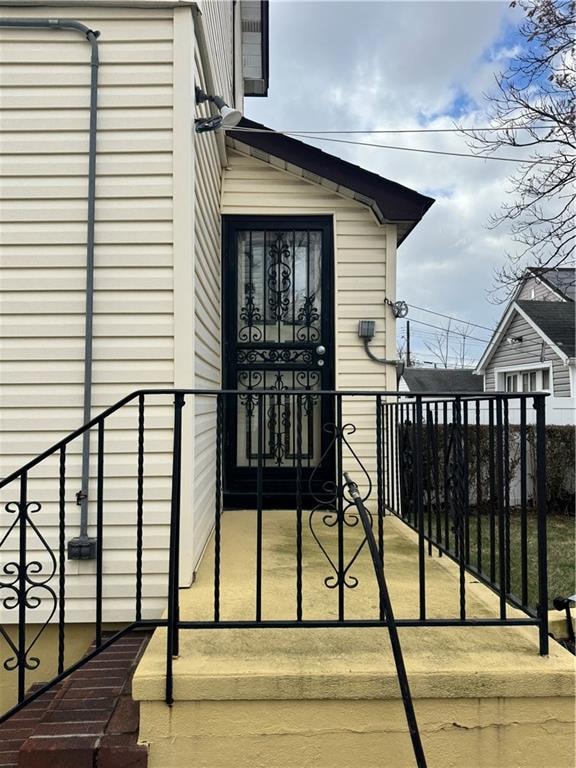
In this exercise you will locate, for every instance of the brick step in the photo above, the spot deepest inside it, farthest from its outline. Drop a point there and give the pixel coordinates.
(89, 720)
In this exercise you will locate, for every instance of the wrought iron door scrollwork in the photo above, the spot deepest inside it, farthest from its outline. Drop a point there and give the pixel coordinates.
(274, 355)
(278, 421)
(279, 278)
(333, 497)
(308, 317)
(27, 584)
(250, 315)
(308, 380)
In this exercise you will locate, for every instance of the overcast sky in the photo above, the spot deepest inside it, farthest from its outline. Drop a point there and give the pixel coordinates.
(382, 65)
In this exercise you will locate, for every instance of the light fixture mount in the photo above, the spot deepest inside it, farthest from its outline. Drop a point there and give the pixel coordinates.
(228, 117)
(399, 308)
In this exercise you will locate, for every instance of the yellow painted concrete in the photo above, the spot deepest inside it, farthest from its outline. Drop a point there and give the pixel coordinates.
(78, 638)
(299, 697)
(456, 733)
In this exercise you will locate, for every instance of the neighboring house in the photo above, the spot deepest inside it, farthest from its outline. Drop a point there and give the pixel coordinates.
(433, 381)
(533, 347)
(557, 284)
(185, 227)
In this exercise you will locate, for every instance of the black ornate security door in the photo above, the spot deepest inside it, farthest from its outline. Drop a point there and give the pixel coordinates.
(278, 336)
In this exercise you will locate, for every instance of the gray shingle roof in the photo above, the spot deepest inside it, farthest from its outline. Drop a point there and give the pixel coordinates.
(442, 380)
(556, 321)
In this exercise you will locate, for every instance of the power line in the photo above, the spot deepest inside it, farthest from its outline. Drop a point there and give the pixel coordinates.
(451, 317)
(391, 130)
(426, 151)
(446, 330)
(404, 149)
(426, 335)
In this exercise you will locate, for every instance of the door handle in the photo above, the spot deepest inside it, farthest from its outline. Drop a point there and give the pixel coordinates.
(320, 350)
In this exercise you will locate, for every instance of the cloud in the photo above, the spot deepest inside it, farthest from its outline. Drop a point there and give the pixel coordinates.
(383, 65)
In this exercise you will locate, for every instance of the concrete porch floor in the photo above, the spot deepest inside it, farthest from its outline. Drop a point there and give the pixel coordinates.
(470, 678)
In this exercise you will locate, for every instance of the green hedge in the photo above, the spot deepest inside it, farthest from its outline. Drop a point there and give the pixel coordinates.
(560, 462)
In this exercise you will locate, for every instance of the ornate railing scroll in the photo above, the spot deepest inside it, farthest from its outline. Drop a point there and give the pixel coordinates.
(25, 584)
(334, 503)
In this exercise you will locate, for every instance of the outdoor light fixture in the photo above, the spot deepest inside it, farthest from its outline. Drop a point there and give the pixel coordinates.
(228, 117)
(514, 339)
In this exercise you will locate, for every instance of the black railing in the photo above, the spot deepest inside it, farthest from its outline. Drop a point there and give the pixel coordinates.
(387, 614)
(471, 475)
(410, 457)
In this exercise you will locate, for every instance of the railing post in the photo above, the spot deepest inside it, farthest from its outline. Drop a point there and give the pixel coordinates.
(218, 505)
(172, 640)
(379, 480)
(61, 558)
(523, 505)
(419, 491)
(540, 406)
(298, 508)
(22, 572)
(99, 532)
(260, 504)
(500, 482)
(340, 507)
(139, 507)
(459, 498)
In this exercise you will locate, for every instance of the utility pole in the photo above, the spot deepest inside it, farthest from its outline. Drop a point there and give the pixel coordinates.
(407, 343)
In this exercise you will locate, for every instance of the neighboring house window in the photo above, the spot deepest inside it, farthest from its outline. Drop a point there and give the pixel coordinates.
(511, 382)
(527, 381)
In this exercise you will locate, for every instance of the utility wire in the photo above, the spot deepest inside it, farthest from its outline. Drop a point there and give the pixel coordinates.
(445, 330)
(423, 333)
(426, 336)
(426, 151)
(400, 149)
(451, 317)
(391, 130)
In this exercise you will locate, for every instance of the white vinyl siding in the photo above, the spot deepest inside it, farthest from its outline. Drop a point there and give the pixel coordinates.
(44, 76)
(207, 310)
(252, 186)
(531, 351)
(217, 18)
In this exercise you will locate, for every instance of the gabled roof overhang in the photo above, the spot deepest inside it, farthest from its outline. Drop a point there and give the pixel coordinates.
(391, 203)
(502, 329)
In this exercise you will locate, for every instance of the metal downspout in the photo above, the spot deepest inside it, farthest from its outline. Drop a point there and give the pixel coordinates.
(82, 547)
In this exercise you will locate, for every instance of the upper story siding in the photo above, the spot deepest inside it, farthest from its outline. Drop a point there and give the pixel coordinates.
(536, 290)
(532, 351)
(218, 21)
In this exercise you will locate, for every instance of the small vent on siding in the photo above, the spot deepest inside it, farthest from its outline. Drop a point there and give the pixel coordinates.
(251, 25)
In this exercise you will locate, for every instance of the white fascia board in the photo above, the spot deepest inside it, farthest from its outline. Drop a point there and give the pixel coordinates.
(561, 354)
(495, 340)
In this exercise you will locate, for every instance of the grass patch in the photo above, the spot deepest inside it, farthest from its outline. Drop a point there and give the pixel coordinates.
(561, 549)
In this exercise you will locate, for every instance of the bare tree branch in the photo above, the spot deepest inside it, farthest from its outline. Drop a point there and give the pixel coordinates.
(538, 87)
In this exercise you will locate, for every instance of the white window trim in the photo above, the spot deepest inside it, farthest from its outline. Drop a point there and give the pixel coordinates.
(500, 374)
